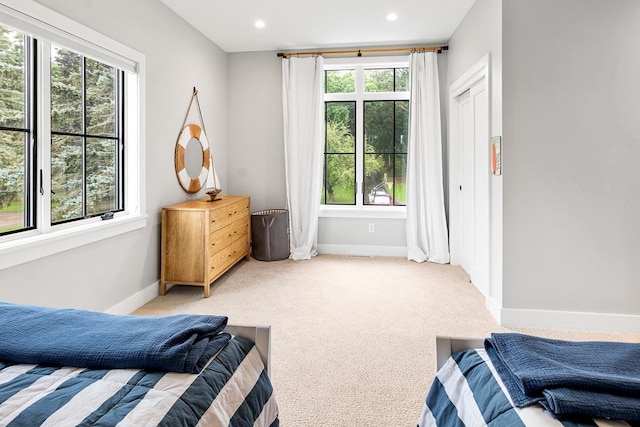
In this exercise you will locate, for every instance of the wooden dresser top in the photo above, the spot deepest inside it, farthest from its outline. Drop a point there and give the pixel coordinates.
(205, 204)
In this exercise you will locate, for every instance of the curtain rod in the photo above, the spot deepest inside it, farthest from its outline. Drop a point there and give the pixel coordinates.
(359, 52)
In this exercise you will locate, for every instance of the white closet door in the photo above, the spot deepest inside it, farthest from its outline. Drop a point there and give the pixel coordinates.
(474, 186)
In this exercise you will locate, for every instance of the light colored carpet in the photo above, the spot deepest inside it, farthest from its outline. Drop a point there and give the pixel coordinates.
(353, 339)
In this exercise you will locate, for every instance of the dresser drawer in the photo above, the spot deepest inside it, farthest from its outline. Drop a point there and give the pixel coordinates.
(228, 214)
(222, 238)
(221, 260)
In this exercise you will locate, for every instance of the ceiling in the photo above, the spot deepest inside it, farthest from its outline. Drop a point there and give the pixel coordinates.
(305, 24)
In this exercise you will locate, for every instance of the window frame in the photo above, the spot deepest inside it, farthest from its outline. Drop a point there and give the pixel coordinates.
(46, 239)
(359, 209)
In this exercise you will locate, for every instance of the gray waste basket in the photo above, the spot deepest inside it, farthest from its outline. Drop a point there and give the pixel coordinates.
(270, 234)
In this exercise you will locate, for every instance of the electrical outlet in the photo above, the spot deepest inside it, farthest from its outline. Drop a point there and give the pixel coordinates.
(372, 227)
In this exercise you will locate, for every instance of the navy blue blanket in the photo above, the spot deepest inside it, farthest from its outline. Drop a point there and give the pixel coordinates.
(68, 337)
(592, 378)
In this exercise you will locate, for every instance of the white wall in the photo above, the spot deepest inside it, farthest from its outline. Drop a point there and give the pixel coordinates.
(571, 151)
(256, 146)
(479, 34)
(102, 275)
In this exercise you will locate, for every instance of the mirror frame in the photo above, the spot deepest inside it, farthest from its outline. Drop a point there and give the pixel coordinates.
(188, 183)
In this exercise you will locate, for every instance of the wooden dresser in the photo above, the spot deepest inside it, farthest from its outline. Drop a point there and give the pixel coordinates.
(201, 240)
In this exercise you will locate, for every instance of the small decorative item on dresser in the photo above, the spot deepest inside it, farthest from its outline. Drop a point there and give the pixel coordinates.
(201, 240)
(213, 194)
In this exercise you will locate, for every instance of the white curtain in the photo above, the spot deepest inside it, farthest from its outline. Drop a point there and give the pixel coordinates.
(427, 237)
(302, 98)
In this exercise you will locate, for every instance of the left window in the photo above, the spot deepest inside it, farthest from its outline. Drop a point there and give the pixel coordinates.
(85, 99)
(71, 134)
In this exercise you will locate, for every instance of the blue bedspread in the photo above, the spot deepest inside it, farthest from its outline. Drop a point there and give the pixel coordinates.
(69, 337)
(233, 390)
(597, 379)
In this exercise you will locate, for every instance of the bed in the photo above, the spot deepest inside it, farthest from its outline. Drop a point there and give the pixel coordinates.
(468, 390)
(223, 382)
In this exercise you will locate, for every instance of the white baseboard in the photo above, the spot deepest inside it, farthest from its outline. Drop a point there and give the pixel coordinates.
(136, 300)
(494, 308)
(363, 250)
(548, 319)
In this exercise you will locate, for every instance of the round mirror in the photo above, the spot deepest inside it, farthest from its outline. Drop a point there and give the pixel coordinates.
(192, 158)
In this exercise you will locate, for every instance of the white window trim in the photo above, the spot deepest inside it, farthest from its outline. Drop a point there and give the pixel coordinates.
(360, 210)
(27, 246)
(366, 211)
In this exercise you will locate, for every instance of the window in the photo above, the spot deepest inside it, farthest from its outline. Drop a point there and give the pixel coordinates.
(366, 134)
(86, 137)
(86, 104)
(70, 142)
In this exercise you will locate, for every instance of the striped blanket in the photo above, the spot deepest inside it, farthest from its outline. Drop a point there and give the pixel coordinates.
(467, 391)
(233, 390)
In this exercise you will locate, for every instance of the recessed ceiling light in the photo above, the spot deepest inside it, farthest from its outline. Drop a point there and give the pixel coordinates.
(392, 17)
(259, 24)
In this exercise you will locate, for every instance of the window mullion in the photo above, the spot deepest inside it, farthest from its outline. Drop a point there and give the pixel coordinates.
(30, 107)
(119, 196)
(393, 156)
(84, 136)
(43, 97)
(359, 136)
